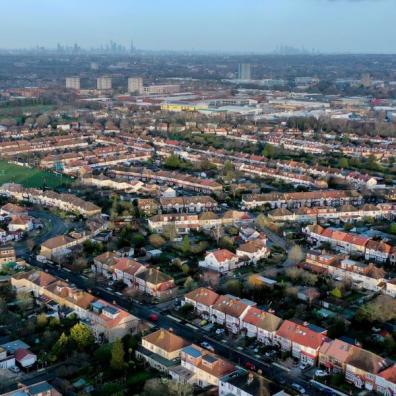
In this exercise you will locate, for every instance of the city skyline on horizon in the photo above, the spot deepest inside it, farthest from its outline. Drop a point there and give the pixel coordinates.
(325, 26)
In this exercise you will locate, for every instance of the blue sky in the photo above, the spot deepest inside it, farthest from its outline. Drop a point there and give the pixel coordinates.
(213, 25)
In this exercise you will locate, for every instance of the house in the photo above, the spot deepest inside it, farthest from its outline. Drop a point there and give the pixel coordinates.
(57, 246)
(161, 349)
(333, 355)
(110, 322)
(206, 367)
(390, 287)
(247, 233)
(260, 324)
(194, 204)
(25, 358)
(362, 368)
(20, 223)
(245, 383)
(303, 341)
(7, 254)
(168, 192)
(379, 251)
(253, 251)
(126, 269)
(220, 260)
(385, 381)
(229, 311)
(148, 206)
(6, 360)
(34, 281)
(202, 299)
(38, 389)
(11, 209)
(104, 263)
(155, 283)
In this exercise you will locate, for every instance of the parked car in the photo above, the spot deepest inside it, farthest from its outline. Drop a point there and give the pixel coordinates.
(320, 373)
(207, 346)
(250, 366)
(15, 369)
(304, 366)
(298, 388)
(219, 331)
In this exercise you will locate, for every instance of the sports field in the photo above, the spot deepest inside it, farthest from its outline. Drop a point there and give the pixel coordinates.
(30, 177)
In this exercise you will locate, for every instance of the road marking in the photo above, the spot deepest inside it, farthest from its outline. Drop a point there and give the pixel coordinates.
(173, 318)
(191, 326)
(281, 367)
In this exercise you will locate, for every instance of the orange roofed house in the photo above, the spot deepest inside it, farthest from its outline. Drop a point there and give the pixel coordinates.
(261, 325)
(161, 349)
(303, 341)
(203, 300)
(229, 311)
(155, 283)
(204, 368)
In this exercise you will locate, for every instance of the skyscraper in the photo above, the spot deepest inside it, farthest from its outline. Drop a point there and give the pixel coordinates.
(135, 84)
(72, 82)
(103, 83)
(244, 71)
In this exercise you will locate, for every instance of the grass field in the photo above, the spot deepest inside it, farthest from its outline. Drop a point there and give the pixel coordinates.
(30, 177)
(15, 111)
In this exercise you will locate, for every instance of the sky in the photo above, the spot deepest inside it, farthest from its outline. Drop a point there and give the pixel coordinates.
(330, 26)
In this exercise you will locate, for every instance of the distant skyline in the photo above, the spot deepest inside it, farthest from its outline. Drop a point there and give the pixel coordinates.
(260, 26)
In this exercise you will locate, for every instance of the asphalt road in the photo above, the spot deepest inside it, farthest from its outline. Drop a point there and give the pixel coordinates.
(52, 226)
(193, 334)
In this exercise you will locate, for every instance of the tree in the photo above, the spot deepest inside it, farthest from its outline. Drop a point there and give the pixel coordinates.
(336, 292)
(185, 246)
(234, 287)
(189, 283)
(61, 346)
(343, 163)
(392, 228)
(42, 320)
(269, 151)
(185, 268)
(25, 300)
(262, 221)
(381, 309)
(81, 335)
(156, 240)
(42, 121)
(295, 255)
(169, 231)
(117, 355)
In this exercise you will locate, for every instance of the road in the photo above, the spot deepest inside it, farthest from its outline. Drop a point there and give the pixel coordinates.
(52, 226)
(192, 333)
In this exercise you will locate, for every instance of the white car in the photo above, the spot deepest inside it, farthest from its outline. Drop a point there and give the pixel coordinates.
(320, 373)
(207, 346)
(298, 388)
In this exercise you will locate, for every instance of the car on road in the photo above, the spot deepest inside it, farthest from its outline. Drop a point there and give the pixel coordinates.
(220, 331)
(304, 366)
(298, 388)
(250, 366)
(320, 373)
(207, 346)
(153, 317)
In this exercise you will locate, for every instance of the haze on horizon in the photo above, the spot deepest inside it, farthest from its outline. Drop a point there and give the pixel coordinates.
(330, 26)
